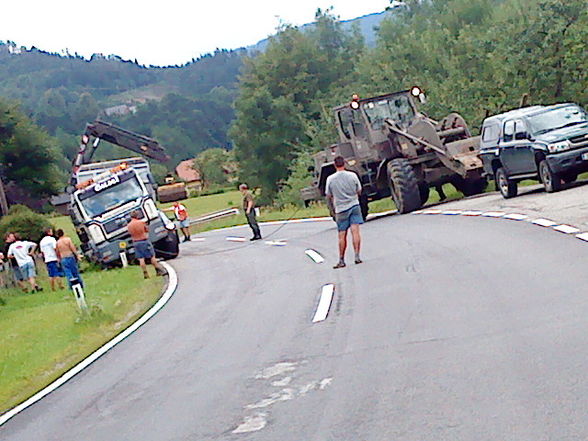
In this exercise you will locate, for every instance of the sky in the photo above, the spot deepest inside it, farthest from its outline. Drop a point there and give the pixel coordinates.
(160, 32)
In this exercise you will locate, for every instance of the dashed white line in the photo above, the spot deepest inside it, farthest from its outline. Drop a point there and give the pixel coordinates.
(544, 222)
(516, 216)
(276, 243)
(315, 256)
(493, 214)
(235, 239)
(583, 236)
(324, 303)
(471, 213)
(567, 229)
(451, 212)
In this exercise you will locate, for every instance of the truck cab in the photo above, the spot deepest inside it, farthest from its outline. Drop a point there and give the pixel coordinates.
(101, 207)
(545, 143)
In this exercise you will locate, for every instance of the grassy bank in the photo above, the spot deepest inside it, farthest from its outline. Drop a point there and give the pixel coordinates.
(42, 335)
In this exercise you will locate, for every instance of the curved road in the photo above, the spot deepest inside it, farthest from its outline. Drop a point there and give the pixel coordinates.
(453, 329)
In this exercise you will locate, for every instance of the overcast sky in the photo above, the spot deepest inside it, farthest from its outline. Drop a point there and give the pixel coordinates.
(161, 32)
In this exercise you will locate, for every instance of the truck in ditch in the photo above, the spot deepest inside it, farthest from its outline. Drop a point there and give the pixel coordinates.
(400, 152)
(104, 194)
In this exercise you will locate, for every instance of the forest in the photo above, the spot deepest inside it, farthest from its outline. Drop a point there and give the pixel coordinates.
(476, 57)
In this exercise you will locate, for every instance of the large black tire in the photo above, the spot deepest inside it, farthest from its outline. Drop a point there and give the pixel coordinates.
(424, 191)
(471, 187)
(508, 189)
(404, 186)
(364, 205)
(168, 247)
(551, 181)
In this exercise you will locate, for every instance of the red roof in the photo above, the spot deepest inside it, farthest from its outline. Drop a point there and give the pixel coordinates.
(186, 173)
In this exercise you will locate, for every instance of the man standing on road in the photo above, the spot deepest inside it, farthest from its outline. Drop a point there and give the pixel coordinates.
(48, 247)
(9, 239)
(143, 248)
(23, 251)
(182, 217)
(67, 254)
(343, 189)
(249, 208)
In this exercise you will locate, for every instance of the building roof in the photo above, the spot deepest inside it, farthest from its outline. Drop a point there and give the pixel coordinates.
(186, 172)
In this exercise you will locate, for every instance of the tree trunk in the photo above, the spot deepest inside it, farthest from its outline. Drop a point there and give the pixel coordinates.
(3, 202)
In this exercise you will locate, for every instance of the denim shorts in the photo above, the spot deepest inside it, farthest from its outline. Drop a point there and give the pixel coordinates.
(54, 269)
(143, 249)
(17, 273)
(351, 216)
(184, 223)
(28, 270)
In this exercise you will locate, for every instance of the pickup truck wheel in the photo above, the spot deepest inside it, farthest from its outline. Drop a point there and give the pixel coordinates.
(363, 204)
(168, 247)
(551, 181)
(508, 189)
(404, 186)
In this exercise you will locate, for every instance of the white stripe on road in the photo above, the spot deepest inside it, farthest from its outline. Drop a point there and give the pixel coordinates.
(314, 256)
(544, 222)
(236, 239)
(471, 213)
(198, 239)
(171, 288)
(432, 211)
(324, 303)
(583, 236)
(516, 216)
(452, 212)
(494, 214)
(567, 229)
(276, 243)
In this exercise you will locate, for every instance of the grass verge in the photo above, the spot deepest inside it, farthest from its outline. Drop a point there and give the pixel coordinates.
(42, 335)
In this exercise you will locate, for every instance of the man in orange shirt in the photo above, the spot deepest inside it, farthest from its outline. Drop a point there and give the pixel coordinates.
(143, 248)
(182, 217)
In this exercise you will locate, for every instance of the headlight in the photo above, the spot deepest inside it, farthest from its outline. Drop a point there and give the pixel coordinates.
(150, 209)
(558, 146)
(96, 233)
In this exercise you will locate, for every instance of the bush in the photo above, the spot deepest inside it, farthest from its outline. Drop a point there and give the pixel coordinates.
(22, 220)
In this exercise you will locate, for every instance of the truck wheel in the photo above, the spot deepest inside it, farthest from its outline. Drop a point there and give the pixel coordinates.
(364, 205)
(168, 247)
(404, 186)
(471, 187)
(551, 181)
(424, 193)
(508, 189)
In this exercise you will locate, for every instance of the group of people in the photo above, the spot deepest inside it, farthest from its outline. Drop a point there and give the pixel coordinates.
(59, 254)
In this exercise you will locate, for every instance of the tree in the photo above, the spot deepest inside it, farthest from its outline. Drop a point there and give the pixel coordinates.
(212, 164)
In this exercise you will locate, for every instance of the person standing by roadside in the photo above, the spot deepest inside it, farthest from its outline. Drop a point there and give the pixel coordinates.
(181, 214)
(67, 254)
(48, 246)
(343, 188)
(23, 251)
(9, 239)
(143, 248)
(249, 208)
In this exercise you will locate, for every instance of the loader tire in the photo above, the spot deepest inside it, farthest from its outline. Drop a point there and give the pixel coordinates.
(404, 186)
(471, 187)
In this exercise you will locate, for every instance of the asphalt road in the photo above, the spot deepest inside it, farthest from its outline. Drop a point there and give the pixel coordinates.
(454, 328)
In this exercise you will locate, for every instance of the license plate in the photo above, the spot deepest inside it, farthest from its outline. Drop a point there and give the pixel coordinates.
(585, 156)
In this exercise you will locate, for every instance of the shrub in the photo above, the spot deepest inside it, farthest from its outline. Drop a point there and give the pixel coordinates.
(22, 220)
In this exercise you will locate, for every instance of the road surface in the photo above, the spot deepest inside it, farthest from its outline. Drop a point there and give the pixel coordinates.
(454, 328)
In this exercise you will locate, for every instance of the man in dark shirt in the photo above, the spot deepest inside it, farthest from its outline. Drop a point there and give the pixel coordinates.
(249, 209)
(9, 239)
(143, 248)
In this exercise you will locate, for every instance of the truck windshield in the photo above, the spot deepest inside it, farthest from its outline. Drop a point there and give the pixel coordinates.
(99, 203)
(397, 108)
(557, 119)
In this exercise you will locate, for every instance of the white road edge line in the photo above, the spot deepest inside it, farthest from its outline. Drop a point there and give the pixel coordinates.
(516, 216)
(324, 305)
(583, 236)
(544, 222)
(494, 214)
(169, 291)
(314, 255)
(567, 229)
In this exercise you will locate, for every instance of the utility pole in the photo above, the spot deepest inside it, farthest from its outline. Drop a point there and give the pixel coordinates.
(3, 202)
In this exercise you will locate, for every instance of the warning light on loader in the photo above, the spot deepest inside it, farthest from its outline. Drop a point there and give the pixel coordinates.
(355, 101)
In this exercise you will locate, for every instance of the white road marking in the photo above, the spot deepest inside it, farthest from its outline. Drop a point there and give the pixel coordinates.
(417, 212)
(493, 214)
(471, 213)
(198, 239)
(432, 211)
(451, 212)
(171, 288)
(325, 382)
(283, 382)
(516, 216)
(276, 243)
(276, 369)
(544, 222)
(314, 255)
(583, 236)
(324, 303)
(567, 229)
(284, 395)
(252, 424)
(235, 239)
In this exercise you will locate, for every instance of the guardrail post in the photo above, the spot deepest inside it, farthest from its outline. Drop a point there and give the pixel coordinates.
(123, 259)
(78, 291)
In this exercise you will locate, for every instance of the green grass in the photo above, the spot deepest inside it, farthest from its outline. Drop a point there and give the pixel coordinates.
(42, 335)
(198, 206)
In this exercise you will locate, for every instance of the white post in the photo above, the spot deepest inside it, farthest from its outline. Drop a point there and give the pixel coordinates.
(123, 259)
(78, 290)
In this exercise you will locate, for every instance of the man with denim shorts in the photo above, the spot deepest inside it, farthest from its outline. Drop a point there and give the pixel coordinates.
(343, 189)
(143, 248)
(181, 214)
(9, 239)
(48, 246)
(22, 251)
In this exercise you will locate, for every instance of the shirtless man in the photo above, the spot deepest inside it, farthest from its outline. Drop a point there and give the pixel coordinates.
(143, 248)
(67, 254)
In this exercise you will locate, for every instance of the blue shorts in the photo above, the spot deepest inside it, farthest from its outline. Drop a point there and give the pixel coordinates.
(28, 270)
(54, 269)
(144, 249)
(351, 216)
(185, 223)
(17, 273)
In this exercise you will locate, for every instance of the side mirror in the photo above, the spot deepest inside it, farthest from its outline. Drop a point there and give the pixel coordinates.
(521, 136)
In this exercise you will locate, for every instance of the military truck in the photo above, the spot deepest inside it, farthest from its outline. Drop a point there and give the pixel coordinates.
(400, 152)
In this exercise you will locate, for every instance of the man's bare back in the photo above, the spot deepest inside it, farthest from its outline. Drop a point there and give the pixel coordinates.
(65, 247)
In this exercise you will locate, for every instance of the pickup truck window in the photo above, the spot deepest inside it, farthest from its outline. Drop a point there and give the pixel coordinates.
(557, 119)
(520, 130)
(491, 133)
(509, 131)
